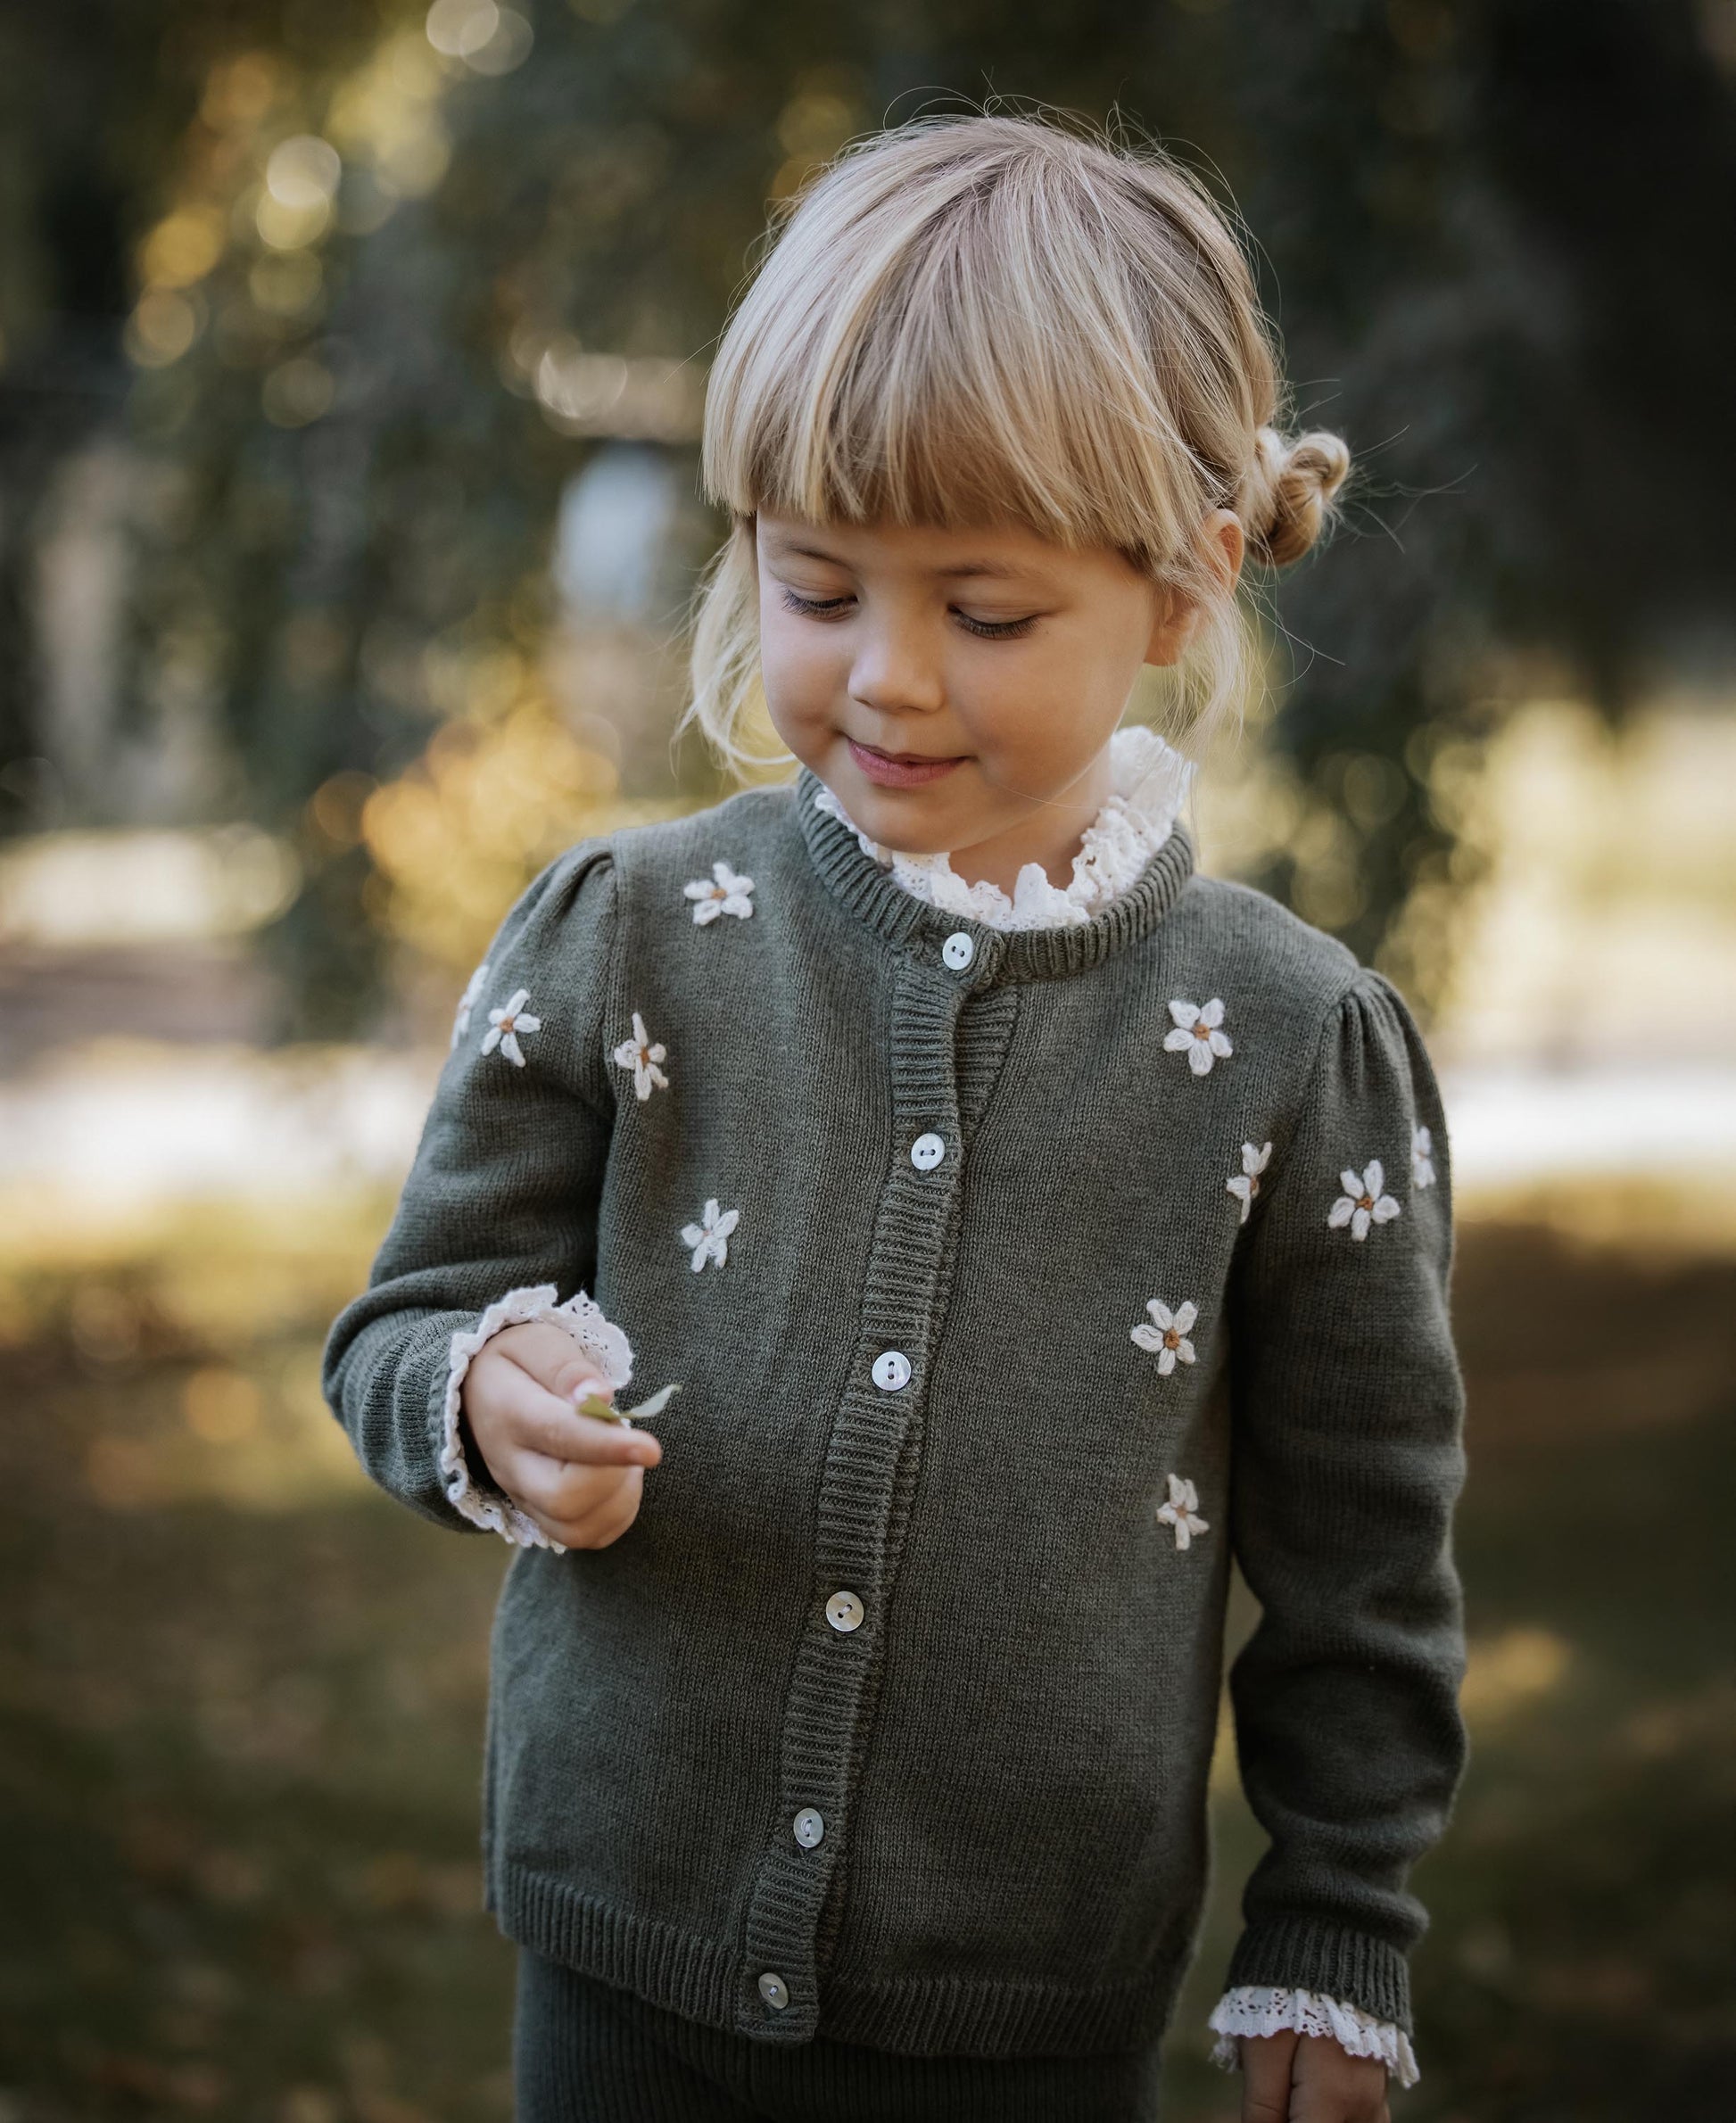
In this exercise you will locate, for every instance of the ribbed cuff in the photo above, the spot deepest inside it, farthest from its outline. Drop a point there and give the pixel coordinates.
(1302, 1953)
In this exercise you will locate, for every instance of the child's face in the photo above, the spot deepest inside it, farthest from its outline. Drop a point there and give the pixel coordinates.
(1008, 656)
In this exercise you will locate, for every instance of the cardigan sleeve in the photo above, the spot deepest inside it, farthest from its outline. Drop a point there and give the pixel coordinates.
(499, 1213)
(1347, 1460)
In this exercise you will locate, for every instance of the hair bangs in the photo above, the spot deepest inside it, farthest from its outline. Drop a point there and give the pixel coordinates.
(961, 377)
(993, 320)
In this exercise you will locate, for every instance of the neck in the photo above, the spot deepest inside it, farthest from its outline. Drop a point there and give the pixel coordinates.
(1051, 835)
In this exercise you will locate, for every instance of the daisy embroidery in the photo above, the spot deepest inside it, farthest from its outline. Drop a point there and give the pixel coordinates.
(1245, 1185)
(468, 1000)
(1197, 1034)
(722, 893)
(1422, 1158)
(1362, 1201)
(709, 1238)
(505, 1025)
(1166, 1333)
(1182, 1511)
(642, 1057)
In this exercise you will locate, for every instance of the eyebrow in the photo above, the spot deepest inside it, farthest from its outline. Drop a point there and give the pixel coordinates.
(997, 569)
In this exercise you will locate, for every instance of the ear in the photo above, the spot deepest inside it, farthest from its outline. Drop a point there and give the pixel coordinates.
(1223, 543)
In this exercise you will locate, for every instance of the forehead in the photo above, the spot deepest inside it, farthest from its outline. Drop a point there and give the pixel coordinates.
(1002, 550)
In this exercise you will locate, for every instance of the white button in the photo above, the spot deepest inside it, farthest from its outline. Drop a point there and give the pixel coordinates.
(927, 1151)
(774, 1990)
(891, 1370)
(958, 951)
(809, 1827)
(844, 1611)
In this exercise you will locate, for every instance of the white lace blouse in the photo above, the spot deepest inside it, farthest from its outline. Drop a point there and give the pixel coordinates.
(1150, 783)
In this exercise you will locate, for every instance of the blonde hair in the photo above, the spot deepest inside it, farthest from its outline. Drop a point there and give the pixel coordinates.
(968, 320)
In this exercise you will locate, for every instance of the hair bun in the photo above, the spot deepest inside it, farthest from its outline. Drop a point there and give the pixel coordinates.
(1291, 492)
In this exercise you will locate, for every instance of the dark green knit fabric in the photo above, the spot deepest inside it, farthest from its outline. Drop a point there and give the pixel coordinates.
(1010, 1754)
(584, 2052)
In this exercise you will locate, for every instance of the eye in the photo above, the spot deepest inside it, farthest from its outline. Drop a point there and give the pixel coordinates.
(812, 608)
(995, 630)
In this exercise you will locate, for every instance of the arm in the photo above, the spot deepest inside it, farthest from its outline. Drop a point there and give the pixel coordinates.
(499, 1213)
(1347, 1412)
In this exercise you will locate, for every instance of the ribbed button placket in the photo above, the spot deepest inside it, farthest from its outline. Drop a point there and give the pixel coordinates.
(857, 1525)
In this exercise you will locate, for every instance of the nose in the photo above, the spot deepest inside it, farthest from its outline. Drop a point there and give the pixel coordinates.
(891, 673)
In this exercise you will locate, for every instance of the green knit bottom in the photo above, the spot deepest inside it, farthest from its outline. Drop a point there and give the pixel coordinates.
(584, 2052)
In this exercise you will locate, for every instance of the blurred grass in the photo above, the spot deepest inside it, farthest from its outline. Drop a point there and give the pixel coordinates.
(241, 1697)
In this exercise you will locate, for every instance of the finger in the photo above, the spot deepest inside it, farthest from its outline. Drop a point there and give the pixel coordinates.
(1331, 2085)
(611, 1517)
(563, 1490)
(574, 1492)
(596, 1520)
(550, 1527)
(1266, 2062)
(587, 1441)
(554, 1359)
(535, 1420)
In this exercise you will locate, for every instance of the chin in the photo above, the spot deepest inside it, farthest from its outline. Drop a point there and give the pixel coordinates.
(910, 820)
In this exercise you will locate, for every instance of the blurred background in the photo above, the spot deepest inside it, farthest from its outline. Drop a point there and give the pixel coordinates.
(352, 356)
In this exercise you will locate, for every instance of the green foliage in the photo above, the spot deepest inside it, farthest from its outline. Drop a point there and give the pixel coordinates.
(1484, 280)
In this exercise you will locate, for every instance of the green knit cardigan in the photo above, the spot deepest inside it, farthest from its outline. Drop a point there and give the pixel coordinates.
(1015, 1282)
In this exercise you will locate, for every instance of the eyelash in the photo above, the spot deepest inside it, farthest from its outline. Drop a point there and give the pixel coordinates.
(987, 630)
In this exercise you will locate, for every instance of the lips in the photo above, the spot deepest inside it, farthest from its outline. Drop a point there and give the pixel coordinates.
(892, 770)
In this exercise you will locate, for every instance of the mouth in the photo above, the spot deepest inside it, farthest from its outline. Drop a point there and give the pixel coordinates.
(899, 770)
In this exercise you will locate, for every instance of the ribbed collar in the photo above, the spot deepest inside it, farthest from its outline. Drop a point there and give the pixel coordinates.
(870, 892)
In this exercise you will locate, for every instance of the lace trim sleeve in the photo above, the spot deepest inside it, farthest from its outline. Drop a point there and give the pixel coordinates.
(580, 1316)
(1257, 2009)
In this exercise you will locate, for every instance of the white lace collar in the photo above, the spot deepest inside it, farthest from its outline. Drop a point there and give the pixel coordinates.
(1151, 781)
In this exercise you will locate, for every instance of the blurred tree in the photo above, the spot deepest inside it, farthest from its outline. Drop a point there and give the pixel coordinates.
(398, 260)
(95, 99)
(1502, 234)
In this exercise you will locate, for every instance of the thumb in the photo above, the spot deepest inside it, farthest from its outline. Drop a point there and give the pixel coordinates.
(579, 1375)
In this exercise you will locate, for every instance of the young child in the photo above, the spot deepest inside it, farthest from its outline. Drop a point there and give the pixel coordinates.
(1030, 1223)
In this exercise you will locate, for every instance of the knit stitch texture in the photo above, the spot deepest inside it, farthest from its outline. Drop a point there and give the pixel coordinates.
(1008, 1751)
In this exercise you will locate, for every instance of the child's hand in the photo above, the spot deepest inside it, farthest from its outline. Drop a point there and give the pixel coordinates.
(575, 1476)
(1307, 2078)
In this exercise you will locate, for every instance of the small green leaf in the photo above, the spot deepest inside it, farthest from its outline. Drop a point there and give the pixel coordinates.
(593, 1404)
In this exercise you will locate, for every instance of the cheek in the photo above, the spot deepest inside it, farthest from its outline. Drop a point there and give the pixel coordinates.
(1042, 711)
(796, 661)
(1026, 697)
(1090, 668)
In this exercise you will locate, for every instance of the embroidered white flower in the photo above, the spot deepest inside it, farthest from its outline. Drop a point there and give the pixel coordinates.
(1362, 1201)
(1166, 1331)
(709, 1236)
(468, 1000)
(1196, 1033)
(642, 1057)
(722, 893)
(1245, 1185)
(1422, 1156)
(505, 1025)
(1182, 1511)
